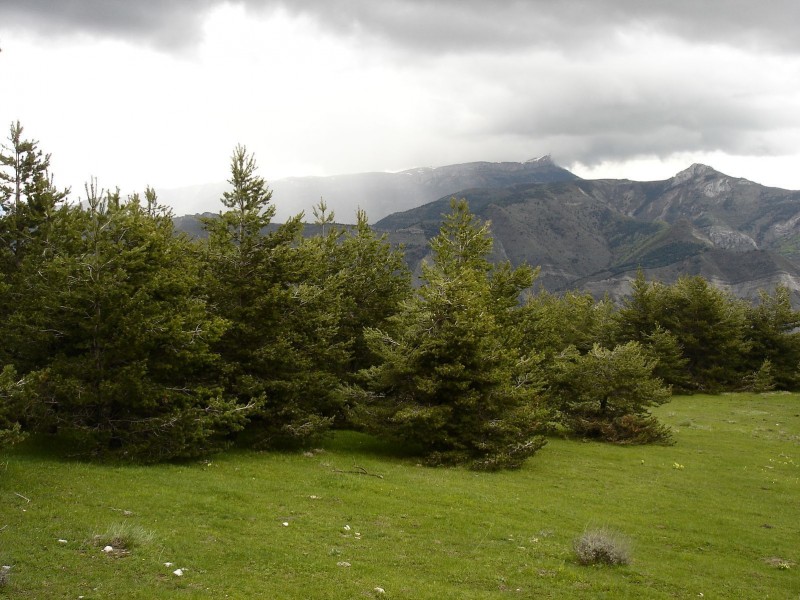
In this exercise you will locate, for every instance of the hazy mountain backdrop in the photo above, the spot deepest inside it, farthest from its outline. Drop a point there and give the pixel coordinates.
(380, 194)
(587, 234)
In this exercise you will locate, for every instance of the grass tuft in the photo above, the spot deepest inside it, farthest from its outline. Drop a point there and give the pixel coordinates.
(602, 546)
(123, 538)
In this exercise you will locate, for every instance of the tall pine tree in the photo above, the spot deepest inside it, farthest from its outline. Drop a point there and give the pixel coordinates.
(265, 282)
(448, 385)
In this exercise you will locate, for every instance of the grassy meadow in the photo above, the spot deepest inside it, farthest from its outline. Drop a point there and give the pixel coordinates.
(717, 515)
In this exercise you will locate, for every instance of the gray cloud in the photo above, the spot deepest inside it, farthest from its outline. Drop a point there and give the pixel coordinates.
(440, 25)
(459, 25)
(166, 23)
(575, 77)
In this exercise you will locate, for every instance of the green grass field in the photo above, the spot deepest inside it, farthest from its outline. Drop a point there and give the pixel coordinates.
(717, 515)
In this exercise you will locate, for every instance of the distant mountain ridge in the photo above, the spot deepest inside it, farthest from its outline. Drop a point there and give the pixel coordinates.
(594, 234)
(379, 194)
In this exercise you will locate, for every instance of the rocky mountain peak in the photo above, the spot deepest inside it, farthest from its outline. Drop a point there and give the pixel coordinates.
(541, 160)
(694, 171)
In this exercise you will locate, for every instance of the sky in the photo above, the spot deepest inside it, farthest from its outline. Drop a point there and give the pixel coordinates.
(159, 92)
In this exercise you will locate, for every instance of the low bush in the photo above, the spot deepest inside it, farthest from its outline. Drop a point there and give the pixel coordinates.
(602, 546)
(628, 429)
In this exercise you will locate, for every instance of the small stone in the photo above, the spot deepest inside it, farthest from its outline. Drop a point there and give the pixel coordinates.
(178, 572)
(62, 541)
(108, 549)
(346, 527)
(342, 563)
(285, 523)
(379, 590)
(167, 564)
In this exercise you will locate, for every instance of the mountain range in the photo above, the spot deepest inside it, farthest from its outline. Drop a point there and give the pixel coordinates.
(593, 235)
(380, 194)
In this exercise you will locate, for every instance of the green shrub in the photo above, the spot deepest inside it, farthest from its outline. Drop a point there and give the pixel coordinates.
(607, 394)
(628, 429)
(759, 381)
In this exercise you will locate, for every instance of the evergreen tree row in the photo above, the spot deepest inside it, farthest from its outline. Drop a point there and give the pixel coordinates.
(125, 338)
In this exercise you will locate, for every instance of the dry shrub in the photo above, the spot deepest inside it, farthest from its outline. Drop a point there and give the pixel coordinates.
(602, 546)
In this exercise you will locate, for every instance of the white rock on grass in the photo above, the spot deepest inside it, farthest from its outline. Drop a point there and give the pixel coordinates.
(178, 572)
(62, 541)
(108, 549)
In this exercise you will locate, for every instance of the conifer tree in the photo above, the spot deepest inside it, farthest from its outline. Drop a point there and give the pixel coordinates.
(703, 323)
(709, 325)
(772, 330)
(10, 411)
(642, 310)
(266, 282)
(606, 393)
(128, 335)
(374, 281)
(29, 202)
(447, 384)
(550, 323)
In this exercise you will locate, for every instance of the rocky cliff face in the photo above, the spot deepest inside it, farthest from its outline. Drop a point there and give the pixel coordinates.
(594, 235)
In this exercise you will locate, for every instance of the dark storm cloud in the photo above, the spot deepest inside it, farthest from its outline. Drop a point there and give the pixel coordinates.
(167, 23)
(438, 25)
(477, 24)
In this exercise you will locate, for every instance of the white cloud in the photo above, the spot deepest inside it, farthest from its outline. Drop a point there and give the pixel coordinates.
(139, 95)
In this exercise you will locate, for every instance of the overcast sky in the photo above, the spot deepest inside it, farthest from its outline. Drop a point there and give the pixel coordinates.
(159, 92)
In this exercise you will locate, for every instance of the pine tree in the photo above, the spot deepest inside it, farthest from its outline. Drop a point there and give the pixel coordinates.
(128, 335)
(267, 283)
(642, 310)
(29, 202)
(771, 329)
(710, 328)
(10, 410)
(670, 365)
(374, 280)
(549, 323)
(447, 384)
(702, 323)
(606, 394)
